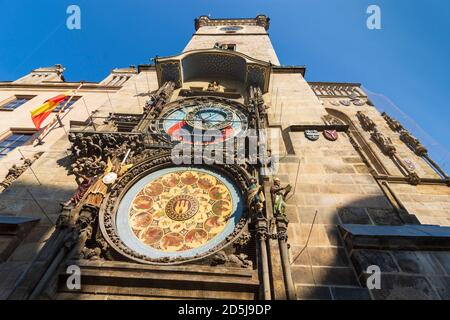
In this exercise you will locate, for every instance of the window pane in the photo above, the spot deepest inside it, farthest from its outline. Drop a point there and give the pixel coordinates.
(13, 137)
(15, 103)
(24, 137)
(59, 107)
(13, 141)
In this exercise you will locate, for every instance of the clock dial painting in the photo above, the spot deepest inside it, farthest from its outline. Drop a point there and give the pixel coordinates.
(179, 212)
(211, 122)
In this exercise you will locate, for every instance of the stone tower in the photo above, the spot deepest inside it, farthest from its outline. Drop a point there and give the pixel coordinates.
(319, 189)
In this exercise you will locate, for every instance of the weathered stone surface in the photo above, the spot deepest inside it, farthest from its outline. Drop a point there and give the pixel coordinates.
(401, 287)
(362, 259)
(313, 293)
(334, 276)
(354, 216)
(384, 216)
(444, 260)
(338, 168)
(333, 181)
(302, 275)
(321, 256)
(325, 215)
(418, 262)
(350, 293)
(405, 237)
(442, 285)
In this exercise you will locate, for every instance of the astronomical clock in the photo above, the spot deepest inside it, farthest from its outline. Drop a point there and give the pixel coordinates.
(216, 120)
(173, 214)
(161, 213)
(143, 209)
(189, 230)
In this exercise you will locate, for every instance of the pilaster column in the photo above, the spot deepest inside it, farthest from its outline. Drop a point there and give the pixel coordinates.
(282, 236)
(261, 234)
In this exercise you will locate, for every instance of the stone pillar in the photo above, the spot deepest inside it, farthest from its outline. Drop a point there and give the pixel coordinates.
(282, 236)
(261, 233)
(273, 248)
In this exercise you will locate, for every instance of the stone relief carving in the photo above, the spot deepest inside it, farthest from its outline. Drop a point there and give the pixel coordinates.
(90, 151)
(366, 123)
(155, 104)
(330, 120)
(393, 124)
(413, 143)
(384, 142)
(257, 107)
(238, 260)
(16, 171)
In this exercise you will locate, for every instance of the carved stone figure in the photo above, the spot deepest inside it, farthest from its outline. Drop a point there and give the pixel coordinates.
(239, 260)
(213, 86)
(16, 171)
(279, 195)
(255, 199)
(366, 123)
(154, 105)
(384, 142)
(413, 143)
(90, 151)
(393, 124)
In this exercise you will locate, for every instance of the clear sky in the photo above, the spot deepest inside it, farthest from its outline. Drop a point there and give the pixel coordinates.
(407, 61)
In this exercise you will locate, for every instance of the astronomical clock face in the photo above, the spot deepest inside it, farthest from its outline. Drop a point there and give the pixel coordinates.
(212, 122)
(178, 212)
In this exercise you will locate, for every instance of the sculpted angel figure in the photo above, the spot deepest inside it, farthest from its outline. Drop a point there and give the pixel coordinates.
(97, 192)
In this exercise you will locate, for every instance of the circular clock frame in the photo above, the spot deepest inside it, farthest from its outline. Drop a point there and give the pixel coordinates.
(182, 114)
(110, 212)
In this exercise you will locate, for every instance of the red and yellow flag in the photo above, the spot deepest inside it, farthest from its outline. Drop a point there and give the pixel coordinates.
(39, 114)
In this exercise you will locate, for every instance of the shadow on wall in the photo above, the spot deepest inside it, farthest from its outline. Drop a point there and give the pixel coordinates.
(326, 266)
(25, 199)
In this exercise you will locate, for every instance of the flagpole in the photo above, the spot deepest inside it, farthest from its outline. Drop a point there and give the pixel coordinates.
(47, 129)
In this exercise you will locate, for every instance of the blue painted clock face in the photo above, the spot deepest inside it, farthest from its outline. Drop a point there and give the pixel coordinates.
(216, 122)
(210, 117)
(179, 212)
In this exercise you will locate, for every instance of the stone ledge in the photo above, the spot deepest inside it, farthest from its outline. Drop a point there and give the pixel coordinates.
(191, 282)
(11, 225)
(405, 237)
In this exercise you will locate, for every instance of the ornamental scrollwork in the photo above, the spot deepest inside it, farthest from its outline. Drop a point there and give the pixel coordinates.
(91, 150)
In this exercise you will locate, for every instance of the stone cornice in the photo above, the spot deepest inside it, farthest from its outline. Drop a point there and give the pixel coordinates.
(50, 86)
(260, 20)
(289, 69)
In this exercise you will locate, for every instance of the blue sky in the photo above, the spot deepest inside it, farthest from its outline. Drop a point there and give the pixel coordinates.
(407, 61)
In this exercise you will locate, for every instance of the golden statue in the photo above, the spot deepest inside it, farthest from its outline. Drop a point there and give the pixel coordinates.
(114, 170)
